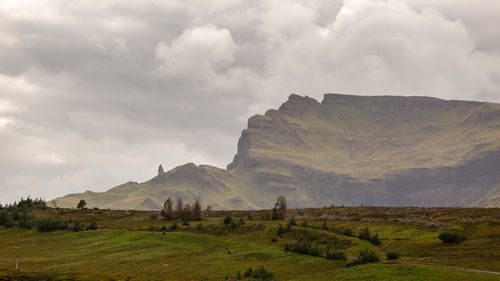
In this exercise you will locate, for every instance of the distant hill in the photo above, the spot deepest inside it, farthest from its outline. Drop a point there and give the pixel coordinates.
(352, 150)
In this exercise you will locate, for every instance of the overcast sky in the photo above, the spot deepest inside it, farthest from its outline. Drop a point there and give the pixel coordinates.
(97, 93)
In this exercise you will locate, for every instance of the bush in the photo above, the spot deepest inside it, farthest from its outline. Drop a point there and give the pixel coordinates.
(280, 230)
(46, 225)
(77, 227)
(451, 237)
(392, 256)
(292, 221)
(248, 273)
(375, 240)
(228, 220)
(6, 218)
(336, 255)
(92, 226)
(173, 227)
(364, 234)
(304, 224)
(26, 221)
(348, 232)
(274, 240)
(366, 256)
(263, 274)
(287, 247)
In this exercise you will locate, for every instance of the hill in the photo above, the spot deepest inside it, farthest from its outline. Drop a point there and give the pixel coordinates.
(352, 150)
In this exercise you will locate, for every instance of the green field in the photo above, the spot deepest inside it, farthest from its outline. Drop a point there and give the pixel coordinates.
(130, 245)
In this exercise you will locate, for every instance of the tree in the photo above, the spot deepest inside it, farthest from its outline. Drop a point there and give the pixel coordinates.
(281, 206)
(364, 234)
(167, 211)
(82, 204)
(209, 210)
(179, 207)
(186, 213)
(160, 170)
(196, 212)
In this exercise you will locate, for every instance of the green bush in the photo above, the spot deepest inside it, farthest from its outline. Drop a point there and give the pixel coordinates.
(451, 237)
(92, 226)
(77, 227)
(263, 274)
(292, 221)
(366, 256)
(375, 240)
(364, 234)
(228, 220)
(348, 232)
(392, 256)
(46, 225)
(280, 230)
(336, 255)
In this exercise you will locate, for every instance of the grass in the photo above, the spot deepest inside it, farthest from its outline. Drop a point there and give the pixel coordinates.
(124, 248)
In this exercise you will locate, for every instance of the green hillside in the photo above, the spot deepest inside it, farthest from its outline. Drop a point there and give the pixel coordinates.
(371, 150)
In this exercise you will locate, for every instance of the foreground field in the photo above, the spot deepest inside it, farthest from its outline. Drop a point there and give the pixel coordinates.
(131, 245)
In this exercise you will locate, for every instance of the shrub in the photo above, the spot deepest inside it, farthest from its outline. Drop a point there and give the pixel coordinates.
(364, 234)
(348, 232)
(46, 225)
(263, 274)
(451, 237)
(287, 247)
(392, 256)
(228, 220)
(288, 227)
(77, 226)
(366, 256)
(280, 230)
(6, 219)
(375, 240)
(26, 221)
(336, 255)
(274, 240)
(248, 272)
(185, 223)
(292, 221)
(304, 224)
(242, 222)
(173, 227)
(92, 226)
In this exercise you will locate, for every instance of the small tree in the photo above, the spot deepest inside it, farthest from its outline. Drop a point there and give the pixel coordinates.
(186, 212)
(196, 212)
(167, 211)
(281, 206)
(82, 204)
(93, 225)
(179, 207)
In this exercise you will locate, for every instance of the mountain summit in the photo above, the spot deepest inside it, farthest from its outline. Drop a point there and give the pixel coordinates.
(352, 150)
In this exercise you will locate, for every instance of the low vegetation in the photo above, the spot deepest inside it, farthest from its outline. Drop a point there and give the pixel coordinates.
(94, 244)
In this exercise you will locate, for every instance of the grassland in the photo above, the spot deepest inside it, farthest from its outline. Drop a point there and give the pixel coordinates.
(131, 245)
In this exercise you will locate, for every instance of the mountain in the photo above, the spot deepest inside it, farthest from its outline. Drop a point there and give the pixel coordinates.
(352, 150)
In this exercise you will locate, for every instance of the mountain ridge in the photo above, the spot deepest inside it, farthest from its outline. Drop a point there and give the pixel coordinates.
(372, 150)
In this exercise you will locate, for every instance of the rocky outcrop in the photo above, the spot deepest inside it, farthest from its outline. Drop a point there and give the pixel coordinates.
(160, 170)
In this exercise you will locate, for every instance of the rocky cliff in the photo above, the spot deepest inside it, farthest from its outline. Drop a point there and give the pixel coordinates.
(352, 150)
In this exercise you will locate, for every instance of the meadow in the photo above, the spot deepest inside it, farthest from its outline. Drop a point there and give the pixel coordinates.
(139, 245)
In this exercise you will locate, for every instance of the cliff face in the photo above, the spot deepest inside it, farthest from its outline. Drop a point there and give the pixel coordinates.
(372, 150)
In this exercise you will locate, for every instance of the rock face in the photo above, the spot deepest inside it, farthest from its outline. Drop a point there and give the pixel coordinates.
(352, 150)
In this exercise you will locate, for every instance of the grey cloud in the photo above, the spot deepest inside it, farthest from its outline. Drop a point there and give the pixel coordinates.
(93, 94)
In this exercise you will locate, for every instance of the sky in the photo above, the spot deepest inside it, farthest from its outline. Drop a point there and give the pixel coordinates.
(97, 93)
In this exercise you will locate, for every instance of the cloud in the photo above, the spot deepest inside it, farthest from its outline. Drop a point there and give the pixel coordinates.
(95, 94)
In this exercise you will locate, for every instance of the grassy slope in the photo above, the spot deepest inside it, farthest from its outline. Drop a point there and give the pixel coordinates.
(185, 256)
(124, 247)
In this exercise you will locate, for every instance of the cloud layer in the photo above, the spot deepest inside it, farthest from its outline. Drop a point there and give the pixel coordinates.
(93, 94)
